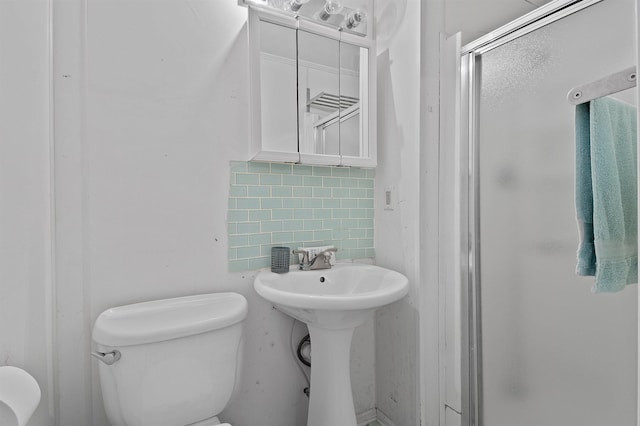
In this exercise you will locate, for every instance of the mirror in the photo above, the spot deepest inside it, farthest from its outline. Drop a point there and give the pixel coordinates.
(311, 95)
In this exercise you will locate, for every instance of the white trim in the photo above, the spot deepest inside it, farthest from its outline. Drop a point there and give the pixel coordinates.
(532, 21)
(366, 417)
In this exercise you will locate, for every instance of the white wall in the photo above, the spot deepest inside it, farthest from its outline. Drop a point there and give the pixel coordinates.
(25, 231)
(397, 231)
(151, 107)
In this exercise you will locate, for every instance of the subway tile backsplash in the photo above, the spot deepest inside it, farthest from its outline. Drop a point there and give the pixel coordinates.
(293, 205)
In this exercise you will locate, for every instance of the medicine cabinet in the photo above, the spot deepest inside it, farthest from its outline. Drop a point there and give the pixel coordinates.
(312, 92)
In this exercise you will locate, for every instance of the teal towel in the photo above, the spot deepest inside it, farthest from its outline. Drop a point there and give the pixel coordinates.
(606, 194)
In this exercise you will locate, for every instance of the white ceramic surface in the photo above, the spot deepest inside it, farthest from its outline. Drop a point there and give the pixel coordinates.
(332, 302)
(19, 396)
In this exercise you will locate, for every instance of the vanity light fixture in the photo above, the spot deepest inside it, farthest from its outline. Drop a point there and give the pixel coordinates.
(331, 7)
(295, 5)
(355, 18)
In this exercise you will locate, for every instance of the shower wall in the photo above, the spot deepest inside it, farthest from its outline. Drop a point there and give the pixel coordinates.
(552, 352)
(25, 231)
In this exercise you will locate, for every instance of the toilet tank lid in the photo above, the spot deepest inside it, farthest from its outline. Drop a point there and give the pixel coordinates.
(167, 319)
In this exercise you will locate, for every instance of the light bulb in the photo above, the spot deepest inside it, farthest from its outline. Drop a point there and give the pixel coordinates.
(355, 18)
(295, 5)
(331, 7)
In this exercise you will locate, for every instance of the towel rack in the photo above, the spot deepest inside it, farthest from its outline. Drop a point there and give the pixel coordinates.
(617, 82)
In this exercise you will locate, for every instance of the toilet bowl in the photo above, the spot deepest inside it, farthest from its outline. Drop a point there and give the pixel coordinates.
(19, 396)
(171, 362)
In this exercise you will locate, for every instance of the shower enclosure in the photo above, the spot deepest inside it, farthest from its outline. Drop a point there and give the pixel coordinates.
(539, 348)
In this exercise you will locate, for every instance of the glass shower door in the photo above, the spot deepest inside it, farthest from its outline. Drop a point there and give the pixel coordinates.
(552, 352)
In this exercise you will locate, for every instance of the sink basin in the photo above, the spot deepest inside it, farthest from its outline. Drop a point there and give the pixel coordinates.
(332, 302)
(341, 297)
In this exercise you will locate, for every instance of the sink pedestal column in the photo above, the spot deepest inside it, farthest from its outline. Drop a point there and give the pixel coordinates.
(331, 400)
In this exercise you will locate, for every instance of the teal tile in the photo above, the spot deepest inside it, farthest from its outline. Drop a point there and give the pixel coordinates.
(259, 215)
(292, 225)
(248, 252)
(358, 253)
(341, 192)
(370, 252)
(349, 182)
(281, 237)
(233, 203)
(312, 181)
(302, 170)
(365, 242)
(284, 169)
(238, 240)
(331, 204)
(256, 167)
(357, 172)
(312, 203)
(358, 213)
(358, 193)
(350, 223)
(332, 223)
(343, 253)
(238, 166)
(238, 191)
(370, 173)
(365, 203)
(369, 213)
(330, 182)
(322, 192)
(292, 180)
(302, 191)
(271, 203)
(303, 214)
(369, 193)
(259, 239)
(349, 203)
(340, 171)
(270, 179)
(265, 250)
(292, 203)
(247, 179)
(365, 223)
(340, 234)
(238, 215)
(321, 171)
(248, 228)
(232, 228)
(281, 191)
(303, 235)
(349, 244)
(340, 213)
(322, 213)
(369, 233)
(259, 263)
(248, 203)
(238, 265)
(281, 214)
(312, 224)
(233, 254)
(322, 235)
(358, 233)
(365, 183)
(259, 191)
(271, 226)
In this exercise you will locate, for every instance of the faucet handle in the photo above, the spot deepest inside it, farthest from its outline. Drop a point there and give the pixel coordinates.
(304, 263)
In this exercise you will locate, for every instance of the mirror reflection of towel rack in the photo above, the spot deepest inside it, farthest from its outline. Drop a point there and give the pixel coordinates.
(614, 83)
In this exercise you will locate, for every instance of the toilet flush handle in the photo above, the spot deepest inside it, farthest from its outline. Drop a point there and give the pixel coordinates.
(109, 357)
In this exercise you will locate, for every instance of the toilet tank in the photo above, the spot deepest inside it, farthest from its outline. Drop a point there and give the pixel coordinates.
(179, 358)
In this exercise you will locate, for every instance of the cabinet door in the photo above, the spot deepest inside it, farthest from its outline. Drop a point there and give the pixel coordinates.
(272, 43)
(318, 97)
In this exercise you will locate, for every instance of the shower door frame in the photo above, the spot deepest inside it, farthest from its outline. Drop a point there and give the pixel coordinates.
(471, 62)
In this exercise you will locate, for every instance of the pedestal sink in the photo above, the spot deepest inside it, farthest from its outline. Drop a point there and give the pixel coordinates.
(332, 302)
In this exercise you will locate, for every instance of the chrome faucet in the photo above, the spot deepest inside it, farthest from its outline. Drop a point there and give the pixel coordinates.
(321, 261)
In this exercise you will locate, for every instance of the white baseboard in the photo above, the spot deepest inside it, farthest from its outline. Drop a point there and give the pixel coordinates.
(366, 417)
(383, 419)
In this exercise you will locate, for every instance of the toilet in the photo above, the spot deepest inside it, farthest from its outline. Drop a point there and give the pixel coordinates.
(171, 362)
